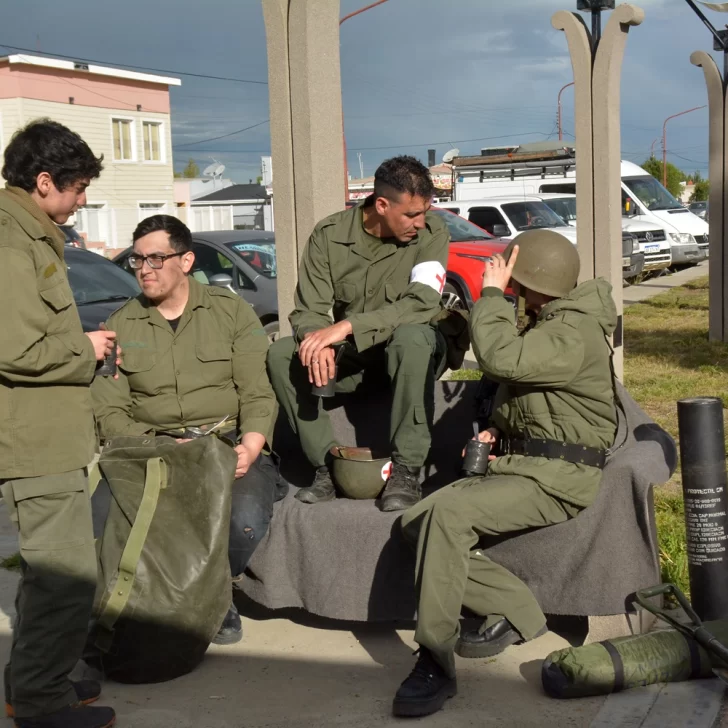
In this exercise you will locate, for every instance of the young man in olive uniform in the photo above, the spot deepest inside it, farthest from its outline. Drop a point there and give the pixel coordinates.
(47, 434)
(554, 418)
(194, 354)
(380, 269)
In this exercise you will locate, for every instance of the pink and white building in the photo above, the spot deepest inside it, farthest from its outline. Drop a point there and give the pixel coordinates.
(121, 114)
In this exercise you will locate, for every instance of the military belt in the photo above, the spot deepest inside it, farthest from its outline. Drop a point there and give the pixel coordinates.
(555, 450)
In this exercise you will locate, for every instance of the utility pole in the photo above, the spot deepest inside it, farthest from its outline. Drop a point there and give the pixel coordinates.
(361, 166)
(343, 132)
(664, 141)
(559, 115)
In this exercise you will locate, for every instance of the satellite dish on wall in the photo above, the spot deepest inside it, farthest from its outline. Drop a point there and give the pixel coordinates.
(214, 171)
(449, 156)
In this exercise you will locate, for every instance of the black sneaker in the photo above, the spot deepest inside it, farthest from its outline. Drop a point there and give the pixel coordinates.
(491, 641)
(231, 630)
(403, 488)
(321, 490)
(72, 716)
(425, 690)
(87, 692)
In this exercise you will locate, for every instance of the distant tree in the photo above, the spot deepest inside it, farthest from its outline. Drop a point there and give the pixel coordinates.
(701, 190)
(674, 174)
(259, 179)
(191, 171)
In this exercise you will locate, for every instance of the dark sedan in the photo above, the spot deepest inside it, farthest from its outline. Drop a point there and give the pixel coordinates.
(243, 261)
(98, 286)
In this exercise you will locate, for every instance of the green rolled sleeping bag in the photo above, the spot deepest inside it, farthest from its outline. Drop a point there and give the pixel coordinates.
(628, 662)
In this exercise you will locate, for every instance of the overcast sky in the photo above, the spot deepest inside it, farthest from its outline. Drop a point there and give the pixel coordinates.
(416, 74)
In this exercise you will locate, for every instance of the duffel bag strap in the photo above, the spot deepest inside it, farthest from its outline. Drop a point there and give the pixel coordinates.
(154, 482)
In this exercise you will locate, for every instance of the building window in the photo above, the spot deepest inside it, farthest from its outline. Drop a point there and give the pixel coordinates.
(152, 134)
(123, 135)
(151, 208)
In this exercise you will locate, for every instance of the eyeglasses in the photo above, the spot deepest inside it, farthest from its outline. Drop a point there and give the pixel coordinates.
(155, 260)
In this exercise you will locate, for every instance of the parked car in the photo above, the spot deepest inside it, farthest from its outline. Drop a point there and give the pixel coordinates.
(633, 260)
(73, 237)
(243, 261)
(99, 287)
(700, 209)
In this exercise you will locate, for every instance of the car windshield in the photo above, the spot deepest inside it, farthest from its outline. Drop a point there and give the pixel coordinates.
(564, 207)
(532, 215)
(94, 279)
(462, 230)
(651, 193)
(260, 255)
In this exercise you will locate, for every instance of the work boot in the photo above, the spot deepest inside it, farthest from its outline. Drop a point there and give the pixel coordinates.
(87, 691)
(403, 488)
(72, 716)
(321, 490)
(425, 690)
(231, 630)
(491, 641)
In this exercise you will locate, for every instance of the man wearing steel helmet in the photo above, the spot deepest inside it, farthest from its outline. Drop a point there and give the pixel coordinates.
(554, 416)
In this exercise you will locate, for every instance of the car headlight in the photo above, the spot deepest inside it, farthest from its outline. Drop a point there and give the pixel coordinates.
(682, 238)
(484, 258)
(635, 245)
(626, 262)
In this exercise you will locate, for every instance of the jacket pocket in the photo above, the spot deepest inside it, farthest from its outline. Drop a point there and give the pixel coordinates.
(344, 291)
(58, 297)
(137, 361)
(214, 352)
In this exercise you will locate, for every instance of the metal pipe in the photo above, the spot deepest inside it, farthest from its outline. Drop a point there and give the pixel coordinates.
(596, 28)
(664, 141)
(558, 105)
(708, 24)
(343, 132)
(705, 492)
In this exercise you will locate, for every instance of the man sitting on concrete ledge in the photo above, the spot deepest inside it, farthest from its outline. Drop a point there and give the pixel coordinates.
(553, 420)
(196, 354)
(380, 267)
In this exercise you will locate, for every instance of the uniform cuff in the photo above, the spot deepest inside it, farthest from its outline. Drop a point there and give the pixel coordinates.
(491, 292)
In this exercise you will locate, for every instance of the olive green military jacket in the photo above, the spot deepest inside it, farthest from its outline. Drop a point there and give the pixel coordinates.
(46, 361)
(556, 382)
(212, 366)
(376, 288)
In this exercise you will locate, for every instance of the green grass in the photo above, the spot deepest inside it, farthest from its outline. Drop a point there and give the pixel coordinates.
(12, 563)
(667, 357)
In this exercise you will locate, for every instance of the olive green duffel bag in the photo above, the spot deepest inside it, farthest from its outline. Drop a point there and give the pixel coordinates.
(691, 650)
(164, 575)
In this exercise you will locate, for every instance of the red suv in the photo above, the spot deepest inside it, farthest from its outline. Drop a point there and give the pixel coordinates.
(470, 248)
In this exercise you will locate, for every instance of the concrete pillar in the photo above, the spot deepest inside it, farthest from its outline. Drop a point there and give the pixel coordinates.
(718, 174)
(597, 82)
(304, 82)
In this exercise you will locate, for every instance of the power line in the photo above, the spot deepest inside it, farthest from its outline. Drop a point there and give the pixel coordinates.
(128, 65)
(223, 136)
(456, 141)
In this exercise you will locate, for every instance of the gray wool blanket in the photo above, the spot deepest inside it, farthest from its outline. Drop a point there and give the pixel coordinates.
(346, 560)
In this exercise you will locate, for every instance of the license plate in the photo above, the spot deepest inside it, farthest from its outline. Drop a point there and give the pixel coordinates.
(652, 248)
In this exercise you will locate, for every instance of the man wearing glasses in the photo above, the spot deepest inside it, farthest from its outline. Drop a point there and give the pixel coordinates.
(195, 355)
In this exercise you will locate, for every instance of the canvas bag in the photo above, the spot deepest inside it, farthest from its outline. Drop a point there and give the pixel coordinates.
(164, 575)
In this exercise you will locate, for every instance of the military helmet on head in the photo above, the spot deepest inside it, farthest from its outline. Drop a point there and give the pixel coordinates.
(357, 474)
(547, 262)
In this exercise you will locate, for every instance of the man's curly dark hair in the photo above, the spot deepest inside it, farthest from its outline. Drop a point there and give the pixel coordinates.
(400, 175)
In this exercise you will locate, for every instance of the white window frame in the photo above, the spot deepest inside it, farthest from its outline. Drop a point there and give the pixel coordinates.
(162, 141)
(134, 155)
(146, 212)
(100, 206)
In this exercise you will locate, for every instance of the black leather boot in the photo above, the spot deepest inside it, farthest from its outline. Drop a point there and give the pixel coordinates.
(87, 691)
(403, 488)
(72, 716)
(425, 690)
(492, 641)
(321, 490)
(231, 630)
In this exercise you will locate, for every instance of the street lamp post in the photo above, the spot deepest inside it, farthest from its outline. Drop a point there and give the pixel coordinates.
(595, 7)
(558, 103)
(343, 131)
(664, 141)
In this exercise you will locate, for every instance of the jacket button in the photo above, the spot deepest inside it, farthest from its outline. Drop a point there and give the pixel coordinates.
(4, 221)
(370, 291)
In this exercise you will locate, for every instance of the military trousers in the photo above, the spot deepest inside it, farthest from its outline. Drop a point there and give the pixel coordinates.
(56, 590)
(452, 573)
(409, 362)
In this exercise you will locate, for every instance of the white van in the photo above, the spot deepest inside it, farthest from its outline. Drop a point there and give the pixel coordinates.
(508, 217)
(652, 240)
(551, 167)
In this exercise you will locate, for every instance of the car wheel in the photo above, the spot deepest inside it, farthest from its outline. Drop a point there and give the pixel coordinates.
(452, 298)
(272, 330)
